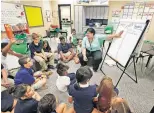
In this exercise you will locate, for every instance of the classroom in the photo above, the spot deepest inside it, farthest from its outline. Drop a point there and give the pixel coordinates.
(77, 56)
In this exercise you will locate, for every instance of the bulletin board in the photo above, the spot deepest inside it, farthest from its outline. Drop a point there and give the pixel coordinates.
(126, 10)
(34, 16)
(12, 14)
(138, 10)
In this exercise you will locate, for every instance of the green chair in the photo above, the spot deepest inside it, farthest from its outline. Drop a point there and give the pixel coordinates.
(20, 48)
(21, 45)
(108, 29)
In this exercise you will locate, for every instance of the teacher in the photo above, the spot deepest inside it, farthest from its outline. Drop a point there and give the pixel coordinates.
(91, 47)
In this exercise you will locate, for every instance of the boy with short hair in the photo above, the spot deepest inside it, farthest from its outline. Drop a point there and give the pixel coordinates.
(65, 50)
(65, 79)
(25, 75)
(82, 93)
(37, 52)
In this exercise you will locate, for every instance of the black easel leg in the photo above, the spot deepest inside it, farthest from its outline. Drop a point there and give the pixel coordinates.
(123, 71)
(120, 77)
(135, 69)
(104, 58)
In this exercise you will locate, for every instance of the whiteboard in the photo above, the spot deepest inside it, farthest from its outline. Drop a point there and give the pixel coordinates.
(122, 48)
(12, 14)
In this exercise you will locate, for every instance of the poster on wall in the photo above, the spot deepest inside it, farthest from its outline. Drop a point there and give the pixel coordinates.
(47, 13)
(116, 15)
(48, 19)
(12, 14)
(138, 10)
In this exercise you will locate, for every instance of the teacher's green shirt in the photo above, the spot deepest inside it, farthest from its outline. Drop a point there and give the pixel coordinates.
(95, 45)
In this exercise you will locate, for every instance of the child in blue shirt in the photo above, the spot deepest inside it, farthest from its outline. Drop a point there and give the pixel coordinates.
(25, 74)
(27, 99)
(82, 93)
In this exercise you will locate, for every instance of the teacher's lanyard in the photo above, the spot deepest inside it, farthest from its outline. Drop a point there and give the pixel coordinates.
(90, 42)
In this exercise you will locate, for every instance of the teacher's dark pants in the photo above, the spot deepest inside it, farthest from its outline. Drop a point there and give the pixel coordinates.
(97, 58)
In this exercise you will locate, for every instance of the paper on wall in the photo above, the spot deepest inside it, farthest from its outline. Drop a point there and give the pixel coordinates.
(135, 10)
(146, 9)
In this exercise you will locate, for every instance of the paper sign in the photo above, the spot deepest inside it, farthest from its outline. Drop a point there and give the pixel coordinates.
(139, 14)
(124, 16)
(125, 10)
(149, 17)
(151, 11)
(135, 10)
(126, 6)
(131, 6)
(130, 14)
(146, 9)
(139, 17)
(144, 17)
(141, 10)
(134, 16)
(130, 10)
(129, 17)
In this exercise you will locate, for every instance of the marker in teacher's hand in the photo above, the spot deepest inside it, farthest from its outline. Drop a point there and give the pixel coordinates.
(119, 34)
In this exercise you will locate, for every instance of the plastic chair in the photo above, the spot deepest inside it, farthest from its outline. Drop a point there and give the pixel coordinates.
(108, 29)
(20, 48)
(21, 45)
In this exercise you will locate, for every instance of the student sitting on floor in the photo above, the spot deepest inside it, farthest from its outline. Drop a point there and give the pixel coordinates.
(82, 93)
(109, 80)
(106, 93)
(6, 49)
(49, 53)
(48, 104)
(36, 48)
(8, 102)
(73, 38)
(27, 102)
(117, 105)
(5, 81)
(65, 50)
(65, 79)
(79, 47)
(25, 75)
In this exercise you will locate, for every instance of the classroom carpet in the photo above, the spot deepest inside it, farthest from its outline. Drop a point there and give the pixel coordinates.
(140, 96)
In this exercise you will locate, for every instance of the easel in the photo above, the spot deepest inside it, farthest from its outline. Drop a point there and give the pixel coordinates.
(128, 62)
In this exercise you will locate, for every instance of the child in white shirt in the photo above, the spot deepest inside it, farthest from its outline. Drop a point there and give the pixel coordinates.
(65, 79)
(79, 50)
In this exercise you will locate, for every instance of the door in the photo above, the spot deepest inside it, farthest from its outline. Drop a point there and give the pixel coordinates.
(64, 11)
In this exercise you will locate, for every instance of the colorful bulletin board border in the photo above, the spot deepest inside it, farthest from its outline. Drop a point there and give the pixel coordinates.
(34, 16)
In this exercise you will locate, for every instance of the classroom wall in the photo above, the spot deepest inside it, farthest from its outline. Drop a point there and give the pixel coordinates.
(46, 5)
(55, 18)
(54, 5)
(116, 5)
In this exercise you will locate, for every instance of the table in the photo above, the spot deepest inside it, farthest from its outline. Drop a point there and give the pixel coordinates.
(55, 32)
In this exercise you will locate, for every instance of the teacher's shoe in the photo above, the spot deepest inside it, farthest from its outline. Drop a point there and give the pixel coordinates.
(95, 70)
